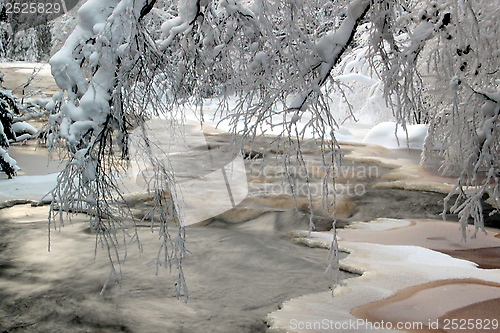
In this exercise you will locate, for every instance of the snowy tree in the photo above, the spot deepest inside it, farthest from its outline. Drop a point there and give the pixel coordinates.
(14, 112)
(131, 60)
(7, 108)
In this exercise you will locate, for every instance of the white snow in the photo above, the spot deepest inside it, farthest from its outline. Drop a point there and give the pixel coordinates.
(65, 67)
(23, 127)
(383, 134)
(260, 61)
(8, 159)
(422, 32)
(455, 83)
(329, 46)
(188, 9)
(27, 187)
(380, 224)
(393, 136)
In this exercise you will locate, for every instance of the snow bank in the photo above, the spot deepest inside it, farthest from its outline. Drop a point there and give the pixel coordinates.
(393, 136)
(385, 268)
(27, 187)
(368, 131)
(36, 176)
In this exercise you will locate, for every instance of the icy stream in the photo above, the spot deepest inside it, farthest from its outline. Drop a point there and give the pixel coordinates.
(235, 279)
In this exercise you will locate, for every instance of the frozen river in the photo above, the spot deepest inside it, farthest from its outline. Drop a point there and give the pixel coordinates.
(235, 279)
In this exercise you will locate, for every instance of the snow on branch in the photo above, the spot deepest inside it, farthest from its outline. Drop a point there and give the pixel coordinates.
(449, 71)
(331, 46)
(188, 11)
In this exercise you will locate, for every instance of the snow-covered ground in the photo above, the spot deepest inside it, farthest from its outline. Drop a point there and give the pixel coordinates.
(37, 174)
(27, 187)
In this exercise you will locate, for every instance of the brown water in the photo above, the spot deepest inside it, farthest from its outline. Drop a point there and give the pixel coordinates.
(235, 278)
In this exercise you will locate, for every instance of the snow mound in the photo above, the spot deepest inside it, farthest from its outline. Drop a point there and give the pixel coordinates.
(393, 136)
